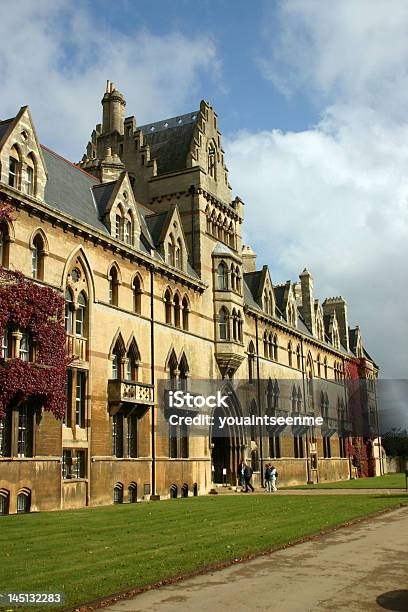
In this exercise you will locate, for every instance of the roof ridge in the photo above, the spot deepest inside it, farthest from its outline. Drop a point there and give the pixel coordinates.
(67, 161)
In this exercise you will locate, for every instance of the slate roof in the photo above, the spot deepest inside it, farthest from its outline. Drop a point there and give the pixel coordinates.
(69, 190)
(170, 141)
(155, 224)
(253, 280)
(102, 193)
(5, 126)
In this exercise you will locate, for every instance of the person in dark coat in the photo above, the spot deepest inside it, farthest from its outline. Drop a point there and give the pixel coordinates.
(241, 473)
(248, 475)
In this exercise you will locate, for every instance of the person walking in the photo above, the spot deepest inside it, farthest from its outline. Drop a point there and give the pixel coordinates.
(248, 475)
(274, 476)
(268, 478)
(241, 474)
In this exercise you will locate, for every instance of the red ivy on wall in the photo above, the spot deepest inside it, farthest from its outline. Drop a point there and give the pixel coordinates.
(39, 310)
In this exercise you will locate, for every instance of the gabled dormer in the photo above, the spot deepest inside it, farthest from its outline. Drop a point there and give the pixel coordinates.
(22, 164)
(356, 343)
(167, 232)
(286, 302)
(118, 209)
(332, 329)
(319, 321)
(260, 285)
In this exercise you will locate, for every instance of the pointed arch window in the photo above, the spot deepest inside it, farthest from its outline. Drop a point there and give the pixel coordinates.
(81, 316)
(69, 312)
(137, 295)
(275, 348)
(233, 278)
(186, 312)
(30, 175)
(168, 307)
(177, 311)
(4, 245)
(113, 286)
(237, 280)
(251, 361)
(127, 231)
(184, 372)
(266, 345)
(223, 324)
(171, 252)
(290, 354)
(222, 275)
(14, 168)
(118, 227)
(298, 358)
(37, 258)
(132, 363)
(178, 255)
(325, 367)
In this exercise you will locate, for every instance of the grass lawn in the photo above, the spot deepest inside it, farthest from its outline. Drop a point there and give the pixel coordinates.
(389, 481)
(94, 552)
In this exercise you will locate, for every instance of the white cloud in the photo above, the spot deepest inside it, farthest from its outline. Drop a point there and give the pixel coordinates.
(54, 58)
(334, 198)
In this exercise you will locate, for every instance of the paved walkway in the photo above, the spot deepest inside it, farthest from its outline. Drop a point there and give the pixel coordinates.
(363, 567)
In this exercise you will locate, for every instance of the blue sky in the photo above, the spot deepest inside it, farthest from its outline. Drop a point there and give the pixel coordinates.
(312, 98)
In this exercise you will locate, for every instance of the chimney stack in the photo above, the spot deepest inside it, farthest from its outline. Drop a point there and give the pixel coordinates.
(248, 259)
(306, 285)
(339, 306)
(113, 114)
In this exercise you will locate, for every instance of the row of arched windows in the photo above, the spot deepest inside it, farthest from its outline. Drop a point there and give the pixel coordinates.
(113, 289)
(23, 501)
(118, 493)
(322, 367)
(229, 278)
(270, 346)
(176, 309)
(338, 371)
(175, 252)
(125, 362)
(220, 227)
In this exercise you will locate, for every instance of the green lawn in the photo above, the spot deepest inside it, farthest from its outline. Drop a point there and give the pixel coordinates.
(389, 481)
(95, 552)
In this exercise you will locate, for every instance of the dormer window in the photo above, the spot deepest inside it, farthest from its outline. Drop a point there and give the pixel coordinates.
(118, 222)
(127, 232)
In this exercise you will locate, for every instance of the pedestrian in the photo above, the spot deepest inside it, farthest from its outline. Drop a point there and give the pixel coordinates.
(241, 474)
(268, 478)
(248, 475)
(274, 477)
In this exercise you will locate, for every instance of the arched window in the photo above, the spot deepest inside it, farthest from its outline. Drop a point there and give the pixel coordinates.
(178, 256)
(275, 348)
(80, 316)
(4, 245)
(171, 251)
(211, 161)
(37, 258)
(266, 303)
(233, 277)
(266, 345)
(222, 274)
(240, 325)
(177, 311)
(132, 493)
(325, 367)
(290, 354)
(113, 286)
(319, 365)
(25, 346)
(118, 226)
(168, 307)
(251, 361)
(4, 501)
(69, 312)
(223, 324)
(118, 355)
(298, 358)
(237, 280)
(14, 168)
(173, 370)
(118, 493)
(184, 372)
(234, 325)
(186, 311)
(132, 361)
(30, 175)
(137, 295)
(23, 501)
(127, 231)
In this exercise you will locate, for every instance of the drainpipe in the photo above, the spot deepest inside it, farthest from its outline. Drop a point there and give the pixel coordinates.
(152, 380)
(258, 391)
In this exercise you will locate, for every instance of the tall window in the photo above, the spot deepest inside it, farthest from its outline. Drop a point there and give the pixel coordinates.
(80, 398)
(69, 388)
(223, 324)
(298, 358)
(298, 447)
(5, 435)
(4, 501)
(23, 502)
(29, 180)
(80, 316)
(211, 161)
(25, 432)
(222, 274)
(177, 311)
(128, 232)
(274, 447)
(13, 172)
(137, 295)
(25, 347)
(4, 245)
(171, 252)
(251, 362)
(118, 224)
(168, 307)
(132, 436)
(178, 255)
(6, 344)
(69, 312)
(118, 493)
(290, 354)
(275, 348)
(186, 311)
(117, 435)
(37, 258)
(132, 362)
(113, 286)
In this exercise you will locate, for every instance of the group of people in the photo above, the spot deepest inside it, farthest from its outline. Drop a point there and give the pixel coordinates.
(245, 472)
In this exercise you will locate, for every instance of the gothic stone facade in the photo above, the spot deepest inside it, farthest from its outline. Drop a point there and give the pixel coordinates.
(143, 238)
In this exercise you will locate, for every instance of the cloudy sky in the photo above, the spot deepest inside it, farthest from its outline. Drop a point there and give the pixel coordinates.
(313, 106)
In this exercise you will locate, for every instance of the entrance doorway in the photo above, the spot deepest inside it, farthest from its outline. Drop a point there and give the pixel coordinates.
(228, 445)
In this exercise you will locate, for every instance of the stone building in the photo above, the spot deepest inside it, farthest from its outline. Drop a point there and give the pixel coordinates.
(143, 238)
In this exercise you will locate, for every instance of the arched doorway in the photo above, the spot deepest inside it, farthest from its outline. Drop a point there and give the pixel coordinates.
(228, 444)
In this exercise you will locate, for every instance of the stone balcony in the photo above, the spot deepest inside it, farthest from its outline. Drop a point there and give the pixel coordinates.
(229, 356)
(130, 392)
(76, 347)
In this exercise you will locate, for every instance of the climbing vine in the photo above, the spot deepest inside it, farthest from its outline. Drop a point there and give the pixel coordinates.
(39, 311)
